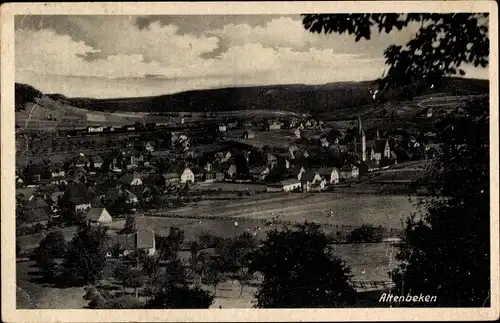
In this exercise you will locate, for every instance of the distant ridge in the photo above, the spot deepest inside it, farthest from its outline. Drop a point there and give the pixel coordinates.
(288, 97)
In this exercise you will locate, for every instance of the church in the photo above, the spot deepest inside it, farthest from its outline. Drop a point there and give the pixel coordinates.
(375, 150)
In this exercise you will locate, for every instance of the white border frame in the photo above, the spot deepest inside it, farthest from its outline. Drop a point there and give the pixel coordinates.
(11, 314)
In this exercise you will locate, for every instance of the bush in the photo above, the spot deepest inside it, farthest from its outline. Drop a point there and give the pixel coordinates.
(366, 233)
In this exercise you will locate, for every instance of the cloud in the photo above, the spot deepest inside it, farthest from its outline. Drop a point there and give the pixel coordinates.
(113, 49)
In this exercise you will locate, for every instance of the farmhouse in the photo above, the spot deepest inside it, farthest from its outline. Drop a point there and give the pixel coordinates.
(222, 128)
(98, 216)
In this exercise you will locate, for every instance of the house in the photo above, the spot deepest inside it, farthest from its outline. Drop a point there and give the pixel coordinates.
(223, 156)
(149, 147)
(259, 173)
(331, 175)
(324, 142)
(56, 196)
(222, 128)
(274, 125)
(116, 194)
(98, 216)
(98, 161)
(312, 181)
(187, 176)
(135, 159)
(142, 239)
(95, 129)
(219, 176)
(131, 179)
(232, 124)
(284, 160)
(290, 184)
(297, 172)
(171, 178)
(349, 171)
(367, 166)
(297, 133)
(292, 149)
(81, 161)
(428, 113)
(57, 171)
(287, 185)
(248, 134)
(231, 171)
(272, 161)
(79, 204)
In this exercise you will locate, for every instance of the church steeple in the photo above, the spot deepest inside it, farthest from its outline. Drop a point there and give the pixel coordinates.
(360, 126)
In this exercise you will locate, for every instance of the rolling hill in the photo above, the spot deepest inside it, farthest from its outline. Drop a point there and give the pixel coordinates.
(314, 99)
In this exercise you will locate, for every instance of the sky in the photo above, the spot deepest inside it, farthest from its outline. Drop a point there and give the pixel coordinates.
(127, 56)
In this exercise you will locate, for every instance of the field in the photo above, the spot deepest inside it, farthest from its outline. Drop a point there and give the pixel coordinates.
(369, 262)
(345, 209)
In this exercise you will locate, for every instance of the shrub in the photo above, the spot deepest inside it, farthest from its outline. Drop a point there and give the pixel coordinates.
(366, 233)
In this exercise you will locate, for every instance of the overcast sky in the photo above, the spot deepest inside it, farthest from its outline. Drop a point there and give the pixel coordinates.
(124, 56)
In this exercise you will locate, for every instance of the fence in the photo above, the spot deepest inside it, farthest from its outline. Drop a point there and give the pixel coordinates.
(372, 284)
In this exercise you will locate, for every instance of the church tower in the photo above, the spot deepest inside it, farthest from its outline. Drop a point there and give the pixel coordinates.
(363, 145)
(360, 126)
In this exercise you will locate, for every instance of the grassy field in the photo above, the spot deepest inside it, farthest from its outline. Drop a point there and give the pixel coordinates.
(368, 262)
(346, 209)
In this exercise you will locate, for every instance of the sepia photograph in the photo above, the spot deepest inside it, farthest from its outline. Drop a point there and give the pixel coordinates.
(324, 158)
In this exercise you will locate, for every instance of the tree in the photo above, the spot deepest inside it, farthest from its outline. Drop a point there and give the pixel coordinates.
(170, 245)
(366, 233)
(175, 290)
(180, 297)
(86, 256)
(130, 225)
(445, 250)
(51, 247)
(456, 223)
(300, 270)
(442, 44)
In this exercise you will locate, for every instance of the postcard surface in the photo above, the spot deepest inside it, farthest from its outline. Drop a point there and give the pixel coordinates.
(277, 161)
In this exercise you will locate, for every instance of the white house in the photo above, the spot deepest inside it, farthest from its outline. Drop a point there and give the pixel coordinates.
(312, 181)
(331, 175)
(222, 128)
(99, 216)
(149, 147)
(291, 184)
(187, 176)
(297, 133)
(95, 129)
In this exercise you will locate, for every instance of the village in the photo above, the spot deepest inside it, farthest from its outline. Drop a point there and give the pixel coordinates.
(138, 168)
